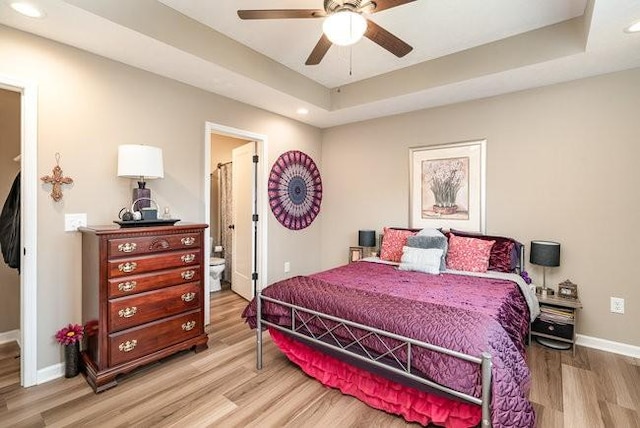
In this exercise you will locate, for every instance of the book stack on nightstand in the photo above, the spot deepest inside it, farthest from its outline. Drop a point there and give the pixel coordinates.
(555, 327)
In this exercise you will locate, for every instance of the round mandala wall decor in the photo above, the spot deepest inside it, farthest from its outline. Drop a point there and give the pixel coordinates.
(295, 190)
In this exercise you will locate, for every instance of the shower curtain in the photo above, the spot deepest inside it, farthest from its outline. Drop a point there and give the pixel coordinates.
(226, 217)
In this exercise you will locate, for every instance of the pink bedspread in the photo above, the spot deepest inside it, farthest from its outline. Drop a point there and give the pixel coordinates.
(467, 314)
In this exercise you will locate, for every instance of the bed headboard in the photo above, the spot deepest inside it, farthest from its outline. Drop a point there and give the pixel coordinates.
(521, 261)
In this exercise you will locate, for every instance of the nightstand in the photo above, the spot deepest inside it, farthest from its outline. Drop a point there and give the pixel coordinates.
(556, 325)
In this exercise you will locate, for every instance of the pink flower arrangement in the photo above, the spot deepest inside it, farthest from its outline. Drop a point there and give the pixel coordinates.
(70, 334)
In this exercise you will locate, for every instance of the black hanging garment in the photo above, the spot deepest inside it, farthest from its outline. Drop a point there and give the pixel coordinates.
(10, 226)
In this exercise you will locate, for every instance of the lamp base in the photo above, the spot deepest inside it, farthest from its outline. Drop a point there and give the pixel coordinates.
(549, 291)
(141, 193)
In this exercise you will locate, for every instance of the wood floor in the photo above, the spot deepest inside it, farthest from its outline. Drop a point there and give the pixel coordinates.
(220, 387)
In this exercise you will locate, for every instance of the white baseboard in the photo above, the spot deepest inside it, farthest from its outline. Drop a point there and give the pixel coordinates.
(10, 336)
(50, 373)
(608, 345)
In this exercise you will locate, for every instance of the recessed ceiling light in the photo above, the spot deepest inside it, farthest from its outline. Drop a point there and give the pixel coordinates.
(302, 110)
(633, 28)
(27, 9)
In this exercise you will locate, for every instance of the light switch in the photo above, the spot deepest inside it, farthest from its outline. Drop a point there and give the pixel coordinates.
(73, 221)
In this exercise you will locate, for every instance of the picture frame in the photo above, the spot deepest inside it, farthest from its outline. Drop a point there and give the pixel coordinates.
(447, 186)
(568, 290)
(355, 254)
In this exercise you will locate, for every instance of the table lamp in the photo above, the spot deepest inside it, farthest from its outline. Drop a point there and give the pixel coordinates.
(545, 254)
(142, 163)
(367, 239)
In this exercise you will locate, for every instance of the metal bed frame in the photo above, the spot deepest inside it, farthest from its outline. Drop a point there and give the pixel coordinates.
(388, 360)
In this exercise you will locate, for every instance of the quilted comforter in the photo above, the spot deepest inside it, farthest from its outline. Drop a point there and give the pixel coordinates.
(462, 313)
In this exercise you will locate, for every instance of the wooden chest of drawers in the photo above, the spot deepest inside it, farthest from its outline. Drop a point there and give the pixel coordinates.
(142, 297)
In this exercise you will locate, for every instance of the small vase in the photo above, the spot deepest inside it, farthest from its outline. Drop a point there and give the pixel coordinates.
(72, 360)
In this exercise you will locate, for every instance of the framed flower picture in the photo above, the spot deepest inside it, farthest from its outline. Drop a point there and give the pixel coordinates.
(447, 186)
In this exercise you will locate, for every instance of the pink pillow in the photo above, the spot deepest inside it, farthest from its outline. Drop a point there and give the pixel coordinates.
(392, 242)
(468, 254)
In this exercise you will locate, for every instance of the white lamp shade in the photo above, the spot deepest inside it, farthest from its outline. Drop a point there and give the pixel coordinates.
(135, 161)
(345, 27)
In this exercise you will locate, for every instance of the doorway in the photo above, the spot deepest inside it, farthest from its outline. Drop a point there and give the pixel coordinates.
(10, 159)
(243, 228)
(28, 220)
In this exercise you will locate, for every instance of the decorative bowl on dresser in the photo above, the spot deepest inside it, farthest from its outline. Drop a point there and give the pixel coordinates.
(142, 297)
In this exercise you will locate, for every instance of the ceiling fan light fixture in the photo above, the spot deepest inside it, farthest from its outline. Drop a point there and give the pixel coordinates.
(27, 9)
(344, 28)
(633, 28)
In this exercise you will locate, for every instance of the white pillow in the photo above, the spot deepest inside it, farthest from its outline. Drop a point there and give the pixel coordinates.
(425, 260)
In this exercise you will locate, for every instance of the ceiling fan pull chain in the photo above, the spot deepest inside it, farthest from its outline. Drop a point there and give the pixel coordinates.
(351, 60)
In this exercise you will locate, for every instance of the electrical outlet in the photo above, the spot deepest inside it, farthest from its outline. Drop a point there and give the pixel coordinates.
(73, 221)
(617, 305)
(287, 267)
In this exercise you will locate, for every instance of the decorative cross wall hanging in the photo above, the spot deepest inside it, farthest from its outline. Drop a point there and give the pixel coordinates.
(57, 180)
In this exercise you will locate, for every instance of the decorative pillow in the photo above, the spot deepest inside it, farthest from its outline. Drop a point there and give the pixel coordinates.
(468, 254)
(431, 241)
(425, 260)
(430, 231)
(505, 253)
(392, 243)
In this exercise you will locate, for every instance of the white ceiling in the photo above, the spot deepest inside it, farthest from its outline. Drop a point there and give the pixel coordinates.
(463, 49)
(434, 28)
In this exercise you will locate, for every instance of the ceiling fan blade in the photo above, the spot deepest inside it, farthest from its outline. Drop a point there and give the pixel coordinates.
(388, 4)
(281, 13)
(319, 51)
(387, 40)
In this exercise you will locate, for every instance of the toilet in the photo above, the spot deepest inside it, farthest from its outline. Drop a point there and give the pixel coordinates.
(216, 267)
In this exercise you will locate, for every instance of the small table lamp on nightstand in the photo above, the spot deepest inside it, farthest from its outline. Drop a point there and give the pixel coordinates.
(367, 240)
(545, 254)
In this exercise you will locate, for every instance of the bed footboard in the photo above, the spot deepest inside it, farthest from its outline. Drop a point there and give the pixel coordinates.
(354, 348)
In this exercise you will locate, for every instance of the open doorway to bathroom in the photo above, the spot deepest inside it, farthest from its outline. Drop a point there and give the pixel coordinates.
(236, 205)
(221, 216)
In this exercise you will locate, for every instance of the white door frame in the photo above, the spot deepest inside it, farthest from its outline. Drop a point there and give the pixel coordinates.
(261, 194)
(29, 227)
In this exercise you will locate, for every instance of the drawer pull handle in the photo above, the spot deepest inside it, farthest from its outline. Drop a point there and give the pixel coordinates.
(551, 328)
(127, 312)
(128, 346)
(128, 247)
(188, 258)
(127, 286)
(127, 267)
(188, 325)
(187, 297)
(188, 240)
(188, 274)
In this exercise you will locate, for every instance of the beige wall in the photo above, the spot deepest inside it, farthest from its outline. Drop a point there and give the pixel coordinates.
(87, 106)
(562, 164)
(9, 149)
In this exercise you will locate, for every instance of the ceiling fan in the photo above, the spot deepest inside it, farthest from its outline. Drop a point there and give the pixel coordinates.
(344, 24)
